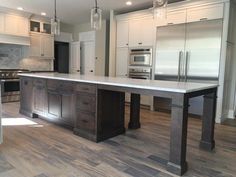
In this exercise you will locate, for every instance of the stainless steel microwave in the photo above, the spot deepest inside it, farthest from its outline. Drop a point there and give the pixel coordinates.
(141, 57)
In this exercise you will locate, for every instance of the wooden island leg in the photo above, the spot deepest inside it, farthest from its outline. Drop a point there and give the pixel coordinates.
(134, 112)
(208, 121)
(178, 139)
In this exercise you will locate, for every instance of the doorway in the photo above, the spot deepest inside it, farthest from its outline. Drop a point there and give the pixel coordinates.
(61, 62)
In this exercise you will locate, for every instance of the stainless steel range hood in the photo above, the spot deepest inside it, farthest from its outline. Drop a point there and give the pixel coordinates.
(17, 40)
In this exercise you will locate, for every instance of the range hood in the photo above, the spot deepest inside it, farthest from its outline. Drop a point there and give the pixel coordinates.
(12, 39)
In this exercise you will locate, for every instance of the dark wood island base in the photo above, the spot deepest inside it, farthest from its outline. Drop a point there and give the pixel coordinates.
(92, 113)
(95, 110)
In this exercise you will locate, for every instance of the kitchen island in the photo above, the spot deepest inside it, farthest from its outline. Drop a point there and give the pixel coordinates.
(94, 107)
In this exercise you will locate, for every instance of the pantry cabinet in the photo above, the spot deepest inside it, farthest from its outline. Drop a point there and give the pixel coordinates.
(42, 46)
(122, 55)
(122, 34)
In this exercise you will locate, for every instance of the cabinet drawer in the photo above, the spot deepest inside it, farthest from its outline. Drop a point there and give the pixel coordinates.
(86, 103)
(85, 121)
(60, 86)
(86, 88)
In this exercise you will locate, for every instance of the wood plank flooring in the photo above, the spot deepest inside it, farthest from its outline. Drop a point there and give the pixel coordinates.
(46, 150)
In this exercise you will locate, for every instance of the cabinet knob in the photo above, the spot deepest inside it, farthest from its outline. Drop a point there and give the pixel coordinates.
(91, 71)
(127, 44)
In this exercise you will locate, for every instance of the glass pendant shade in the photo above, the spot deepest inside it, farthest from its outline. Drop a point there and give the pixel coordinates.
(96, 18)
(55, 22)
(55, 26)
(160, 9)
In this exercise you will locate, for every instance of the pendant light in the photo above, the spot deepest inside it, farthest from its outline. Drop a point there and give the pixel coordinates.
(160, 8)
(96, 17)
(55, 22)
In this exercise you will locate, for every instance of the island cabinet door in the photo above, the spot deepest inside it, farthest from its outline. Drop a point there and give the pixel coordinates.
(39, 92)
(26, 87)
(67, 108)
(54, 105)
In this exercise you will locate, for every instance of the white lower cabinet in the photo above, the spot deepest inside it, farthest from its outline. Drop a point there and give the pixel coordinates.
(122, 59)
(42, 46)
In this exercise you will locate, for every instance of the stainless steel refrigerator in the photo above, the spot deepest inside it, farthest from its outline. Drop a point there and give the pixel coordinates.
(188, 53)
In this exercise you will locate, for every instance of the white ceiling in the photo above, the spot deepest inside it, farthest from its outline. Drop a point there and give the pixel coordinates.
(74, 11)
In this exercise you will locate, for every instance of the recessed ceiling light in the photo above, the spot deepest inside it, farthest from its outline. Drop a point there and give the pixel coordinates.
(43, 13)
(128, 3)
(20, 8)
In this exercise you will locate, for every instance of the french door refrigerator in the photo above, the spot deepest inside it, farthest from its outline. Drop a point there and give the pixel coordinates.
(188, 53)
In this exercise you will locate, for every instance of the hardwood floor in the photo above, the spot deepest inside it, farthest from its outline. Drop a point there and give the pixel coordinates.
(46, 150)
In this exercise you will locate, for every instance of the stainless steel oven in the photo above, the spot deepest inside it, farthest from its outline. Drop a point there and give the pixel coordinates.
(140, 73)
(10, 90)
(141, 57)
(10, 85)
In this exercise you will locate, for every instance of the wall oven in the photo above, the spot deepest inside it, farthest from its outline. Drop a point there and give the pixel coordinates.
(141, 57)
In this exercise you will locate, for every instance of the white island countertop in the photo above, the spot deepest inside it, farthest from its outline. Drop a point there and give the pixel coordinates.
(169, 86)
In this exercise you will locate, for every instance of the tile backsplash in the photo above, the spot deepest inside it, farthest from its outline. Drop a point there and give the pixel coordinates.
(15, 57)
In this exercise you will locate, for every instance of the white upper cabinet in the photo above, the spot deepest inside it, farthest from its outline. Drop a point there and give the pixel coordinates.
(172, 18)
(2, 21)
(35, 45)
(47, 46)
(16, 25)
(11, 24)
(141, 32)
(176, 17)
(135, 37)
(147, 32)
(42, 46)
(23, 26)
(122, 34)
(209, 12)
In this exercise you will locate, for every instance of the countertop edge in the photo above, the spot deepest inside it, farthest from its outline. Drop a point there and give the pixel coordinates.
(118, 84)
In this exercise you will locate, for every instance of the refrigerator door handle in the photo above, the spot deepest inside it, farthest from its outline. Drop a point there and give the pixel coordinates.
(186, 66)
(179, 67)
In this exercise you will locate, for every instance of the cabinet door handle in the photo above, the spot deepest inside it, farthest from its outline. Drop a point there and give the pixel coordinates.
(85, 121)
(140, 43)
(203, 19)
(170, 23)
(85, 89)
(86, 103)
